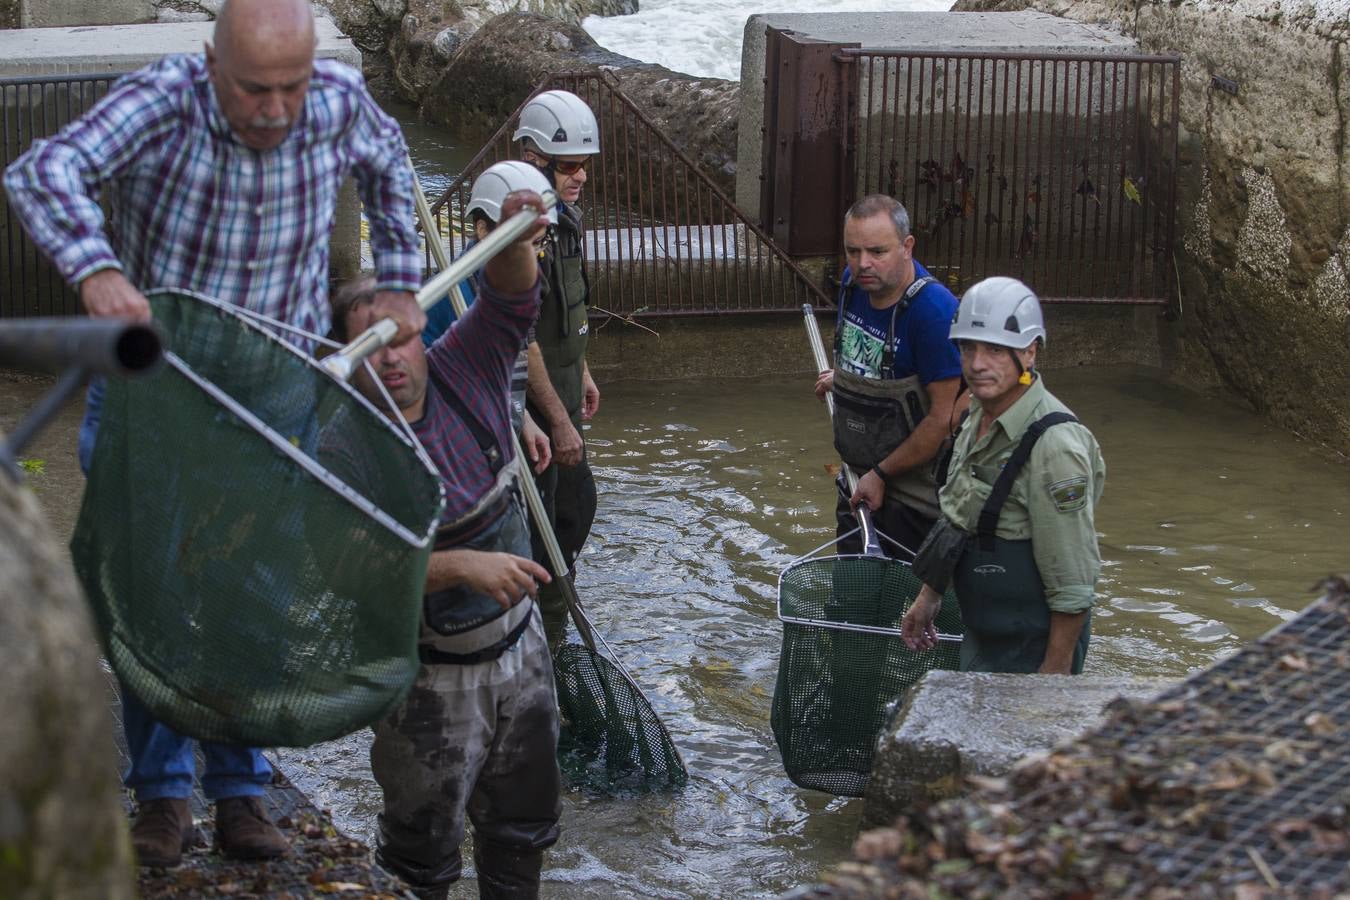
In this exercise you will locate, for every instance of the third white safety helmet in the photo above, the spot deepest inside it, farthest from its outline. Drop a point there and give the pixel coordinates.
(1001, 311)
(560, 124)
(490, 188)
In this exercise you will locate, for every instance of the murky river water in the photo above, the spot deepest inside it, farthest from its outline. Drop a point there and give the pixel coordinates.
(1213, 527)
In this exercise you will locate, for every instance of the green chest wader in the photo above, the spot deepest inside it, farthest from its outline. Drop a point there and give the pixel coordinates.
(495, 524)
(1002, 597)
(563, 328)
(873, 416)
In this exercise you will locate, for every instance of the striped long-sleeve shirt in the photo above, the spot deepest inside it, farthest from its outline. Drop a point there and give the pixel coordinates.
(474, 358)
(193, 207)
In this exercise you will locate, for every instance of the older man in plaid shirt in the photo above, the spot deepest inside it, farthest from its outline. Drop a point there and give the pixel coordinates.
(224, 171)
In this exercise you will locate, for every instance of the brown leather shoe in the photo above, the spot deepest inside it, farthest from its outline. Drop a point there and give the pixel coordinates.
(162, 831)
(243, 830)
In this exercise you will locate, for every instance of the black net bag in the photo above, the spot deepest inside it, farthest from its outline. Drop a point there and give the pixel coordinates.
(254, 538)
(610, 738)
(843, 663)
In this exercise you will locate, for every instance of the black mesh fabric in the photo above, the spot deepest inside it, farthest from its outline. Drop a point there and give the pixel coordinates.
(834, 685)
(610, 737)
(242, 595)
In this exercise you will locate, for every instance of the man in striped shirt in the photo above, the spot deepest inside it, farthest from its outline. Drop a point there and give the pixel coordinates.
(477, 734)
(223, 170)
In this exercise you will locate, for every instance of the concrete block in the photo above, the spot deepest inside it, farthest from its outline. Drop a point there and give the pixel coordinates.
(57, 13)
(955, 724)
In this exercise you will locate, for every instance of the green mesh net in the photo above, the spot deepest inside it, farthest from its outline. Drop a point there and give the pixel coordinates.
(835, 684)
(254, 538)
(610, 738)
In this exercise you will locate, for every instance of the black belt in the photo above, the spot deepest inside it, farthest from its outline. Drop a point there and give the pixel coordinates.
(431, 656)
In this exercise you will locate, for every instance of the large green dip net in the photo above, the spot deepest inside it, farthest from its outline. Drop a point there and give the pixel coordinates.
(843, 664)
(254, 538)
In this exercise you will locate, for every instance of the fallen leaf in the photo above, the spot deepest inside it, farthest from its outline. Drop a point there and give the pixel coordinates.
(1131, 192)
(339, 887)
(1294, 662)
(832, 468)
(1320, 724)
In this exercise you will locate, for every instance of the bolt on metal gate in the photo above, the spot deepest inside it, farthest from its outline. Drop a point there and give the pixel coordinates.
(32, 108)
(1057, 169)
(661, 237)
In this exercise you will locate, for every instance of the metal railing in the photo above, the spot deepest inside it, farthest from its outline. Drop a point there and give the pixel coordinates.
(1058, 169)
(30, 108)
(661, 237)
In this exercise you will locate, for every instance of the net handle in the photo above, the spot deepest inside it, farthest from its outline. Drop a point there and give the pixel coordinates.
(531, 491)
(344, 362)
(871, 546)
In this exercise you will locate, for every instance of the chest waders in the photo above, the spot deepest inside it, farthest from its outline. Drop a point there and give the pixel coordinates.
(873, 416)
(999, 587)
(563, 328)
(467, 626)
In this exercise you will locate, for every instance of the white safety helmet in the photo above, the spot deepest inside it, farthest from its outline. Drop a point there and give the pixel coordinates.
(498, 180)
(1001, 311)
(560, 124)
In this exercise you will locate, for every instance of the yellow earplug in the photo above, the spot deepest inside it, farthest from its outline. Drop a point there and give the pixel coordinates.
(1025, 377)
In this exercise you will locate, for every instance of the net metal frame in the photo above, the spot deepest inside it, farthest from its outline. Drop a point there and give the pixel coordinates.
(201, 711)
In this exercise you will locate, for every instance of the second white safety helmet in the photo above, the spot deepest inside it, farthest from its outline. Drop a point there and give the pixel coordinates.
(498, 180)
(560, 124)
(1001, 311)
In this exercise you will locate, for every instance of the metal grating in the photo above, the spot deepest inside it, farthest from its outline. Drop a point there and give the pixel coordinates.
(1277, 716)
(32, 108)
(661, 237)
(1059, 169)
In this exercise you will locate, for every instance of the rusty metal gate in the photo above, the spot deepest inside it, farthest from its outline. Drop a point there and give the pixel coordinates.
(1059, 169)
(661, 237)
(33, 107)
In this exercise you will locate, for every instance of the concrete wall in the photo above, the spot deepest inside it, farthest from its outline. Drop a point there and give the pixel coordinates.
(123, 48)
(716, 346)
(1031, 31)
(58, 13)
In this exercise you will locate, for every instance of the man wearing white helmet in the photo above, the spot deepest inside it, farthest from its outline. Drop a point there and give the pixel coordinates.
(559, 135)
(1016, 539)
(477, 734)
(484, 210)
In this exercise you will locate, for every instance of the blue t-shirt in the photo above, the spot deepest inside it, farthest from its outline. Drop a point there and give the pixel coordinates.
(922, 346)
(442, 315)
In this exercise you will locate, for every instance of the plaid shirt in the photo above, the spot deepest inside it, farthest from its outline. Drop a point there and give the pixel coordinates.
(195, 208)
(474, 358)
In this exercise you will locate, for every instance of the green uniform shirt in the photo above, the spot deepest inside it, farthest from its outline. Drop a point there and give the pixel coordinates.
(1052, 501)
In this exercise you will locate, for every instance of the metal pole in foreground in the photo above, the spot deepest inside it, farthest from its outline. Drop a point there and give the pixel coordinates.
(342, 363)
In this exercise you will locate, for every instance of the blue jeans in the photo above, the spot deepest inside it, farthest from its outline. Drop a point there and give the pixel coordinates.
(161, 759)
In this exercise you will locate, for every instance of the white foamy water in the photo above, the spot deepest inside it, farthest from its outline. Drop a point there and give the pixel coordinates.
(702, 38)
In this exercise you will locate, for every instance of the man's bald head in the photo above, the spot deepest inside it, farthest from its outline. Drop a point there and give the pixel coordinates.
(260, 60)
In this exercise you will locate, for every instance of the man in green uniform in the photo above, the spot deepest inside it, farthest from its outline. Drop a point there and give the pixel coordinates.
(1016, 538)
(558, 134)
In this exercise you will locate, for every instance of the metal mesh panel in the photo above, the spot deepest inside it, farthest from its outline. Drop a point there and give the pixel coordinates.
(610, 735)
(254, 539)
(835, 684)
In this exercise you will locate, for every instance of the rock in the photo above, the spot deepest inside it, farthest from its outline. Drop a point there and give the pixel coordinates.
(62, 829)
(956, 724)
(493, 72)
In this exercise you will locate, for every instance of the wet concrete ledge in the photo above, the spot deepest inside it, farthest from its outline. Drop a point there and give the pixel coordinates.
(956, 724)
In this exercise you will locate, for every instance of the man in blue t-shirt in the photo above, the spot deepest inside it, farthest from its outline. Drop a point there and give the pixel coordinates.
(896, 378)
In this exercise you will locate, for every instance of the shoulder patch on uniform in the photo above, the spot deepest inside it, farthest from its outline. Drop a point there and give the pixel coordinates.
(1069, 494)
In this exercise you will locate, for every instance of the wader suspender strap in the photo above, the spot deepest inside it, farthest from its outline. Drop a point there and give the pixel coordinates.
(887, 351)
(486, 442)
(945, 457)
(988, 521)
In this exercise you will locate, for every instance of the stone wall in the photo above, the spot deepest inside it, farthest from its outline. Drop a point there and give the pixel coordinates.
(62, 829)
(1264, 197)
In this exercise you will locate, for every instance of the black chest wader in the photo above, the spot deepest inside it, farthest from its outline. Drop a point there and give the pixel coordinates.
(873, 416)
(463, 625)
(1002, 597)
(563, 329)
